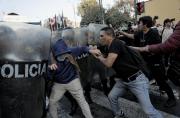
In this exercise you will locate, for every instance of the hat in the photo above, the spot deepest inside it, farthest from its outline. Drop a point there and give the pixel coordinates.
(60, 47)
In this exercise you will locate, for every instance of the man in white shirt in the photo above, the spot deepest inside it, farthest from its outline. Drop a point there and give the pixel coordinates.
(166, 31)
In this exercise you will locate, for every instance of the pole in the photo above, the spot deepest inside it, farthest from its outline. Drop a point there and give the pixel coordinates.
(74, 16)
(135, 10)
(101, 10)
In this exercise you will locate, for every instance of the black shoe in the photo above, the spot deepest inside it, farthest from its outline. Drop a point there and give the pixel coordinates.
(170, 103)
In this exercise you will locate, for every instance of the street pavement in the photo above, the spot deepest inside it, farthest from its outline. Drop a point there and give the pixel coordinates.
(101, 107)
(98, 111)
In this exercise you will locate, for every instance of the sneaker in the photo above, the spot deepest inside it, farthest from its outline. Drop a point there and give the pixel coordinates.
(170, 103)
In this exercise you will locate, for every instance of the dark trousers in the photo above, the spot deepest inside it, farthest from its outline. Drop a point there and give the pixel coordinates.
(166, 59)
(174, 75)
(158, 72)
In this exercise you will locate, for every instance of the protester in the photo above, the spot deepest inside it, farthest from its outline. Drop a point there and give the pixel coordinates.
(171, 46)
(67, 76)
(165, 32)
(147, 36)
(130, 69)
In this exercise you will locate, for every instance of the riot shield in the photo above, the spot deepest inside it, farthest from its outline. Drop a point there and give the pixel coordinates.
(94, 33)
(75, 36)
(24, 50)
(80, 36)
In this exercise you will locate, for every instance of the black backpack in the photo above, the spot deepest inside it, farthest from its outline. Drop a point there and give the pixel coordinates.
(136, 56)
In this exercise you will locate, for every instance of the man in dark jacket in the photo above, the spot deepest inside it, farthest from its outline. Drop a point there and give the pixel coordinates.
(148, 36)
(171, 45)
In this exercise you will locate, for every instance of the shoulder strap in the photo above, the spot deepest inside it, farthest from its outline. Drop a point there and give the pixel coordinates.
(162, 32)
(73, 61)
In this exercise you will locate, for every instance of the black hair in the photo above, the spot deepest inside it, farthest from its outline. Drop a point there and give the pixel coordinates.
(166, 21)
(109, 31)
(146, 20)
(155, 18)
(173, 19)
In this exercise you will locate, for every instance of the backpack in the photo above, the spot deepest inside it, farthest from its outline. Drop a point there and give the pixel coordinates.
(136, 56)
(162, 33)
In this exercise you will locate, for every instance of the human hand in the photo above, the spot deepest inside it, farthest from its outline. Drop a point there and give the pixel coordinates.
(120, 32)
(53, 66)
(95, 52)
(93, 47)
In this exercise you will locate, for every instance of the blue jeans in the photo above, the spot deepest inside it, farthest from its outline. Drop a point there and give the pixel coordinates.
(139, 88)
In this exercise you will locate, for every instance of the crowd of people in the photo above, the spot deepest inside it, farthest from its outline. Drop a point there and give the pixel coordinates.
(137, 57)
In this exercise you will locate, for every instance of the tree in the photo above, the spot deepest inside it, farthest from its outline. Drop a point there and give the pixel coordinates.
(90, 12)
(126, 7)
(120, 13)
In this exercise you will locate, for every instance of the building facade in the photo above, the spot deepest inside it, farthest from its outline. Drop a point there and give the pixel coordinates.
(163, 9)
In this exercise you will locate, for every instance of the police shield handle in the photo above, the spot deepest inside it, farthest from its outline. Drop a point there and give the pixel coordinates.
(24, 50)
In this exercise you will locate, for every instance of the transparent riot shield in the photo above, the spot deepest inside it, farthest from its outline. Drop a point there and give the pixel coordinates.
(94, 33)
(24, 51)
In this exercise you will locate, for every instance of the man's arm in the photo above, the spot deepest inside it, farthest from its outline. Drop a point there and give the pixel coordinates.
(109, 60)
(77, 51)
(131, 36)
(53, 65)
(170, 45)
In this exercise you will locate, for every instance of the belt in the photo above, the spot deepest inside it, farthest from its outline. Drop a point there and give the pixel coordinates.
(133, 77)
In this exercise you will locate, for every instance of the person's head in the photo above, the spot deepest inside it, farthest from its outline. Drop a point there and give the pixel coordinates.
(154, 20)
(106, 35)
(145, 23)
(68, 36)
(60, 48)
(167, 22)
(172, 22)
(68, 33)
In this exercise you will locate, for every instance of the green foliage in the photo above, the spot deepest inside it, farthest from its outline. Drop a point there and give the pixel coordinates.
(119, 14)
(114, 17)
(90, 12)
